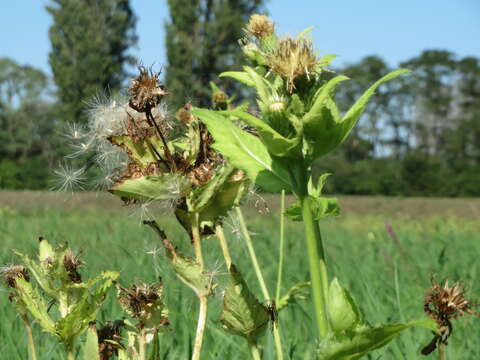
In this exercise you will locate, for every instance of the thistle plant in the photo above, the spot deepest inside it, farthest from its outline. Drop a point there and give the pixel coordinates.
(57, 282)
(297, 123)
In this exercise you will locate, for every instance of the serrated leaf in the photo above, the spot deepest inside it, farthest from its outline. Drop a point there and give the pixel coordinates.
(90, 349)
(153, 187)
(189, 272)
(354, 113)
(141, 151)
(242, 314)
(35, 305)
(322, 207)
(245, 152)
(276, 144)
(240, 76)
(342, 311)
(364, 339)
(85, 309)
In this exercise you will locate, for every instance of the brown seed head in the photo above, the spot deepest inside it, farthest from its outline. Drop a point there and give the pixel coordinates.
(138, 298)
(11, 273)
(259, 26)
(145, 90)
(184, 115)
(72, 263)
(292, 59)
(109, 337)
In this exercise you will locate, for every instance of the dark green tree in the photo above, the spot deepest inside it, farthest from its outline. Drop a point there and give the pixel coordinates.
(90, 42)
(26, 120)
(202, 41)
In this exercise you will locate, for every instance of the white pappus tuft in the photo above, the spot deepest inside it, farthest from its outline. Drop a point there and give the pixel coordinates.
(68, 178)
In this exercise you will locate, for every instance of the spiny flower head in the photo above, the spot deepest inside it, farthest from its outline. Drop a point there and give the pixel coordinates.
(220, 100)
(293, 58)
(447, 302)
(72, 263)
(146, 91)
(11, 273)
(260, 26)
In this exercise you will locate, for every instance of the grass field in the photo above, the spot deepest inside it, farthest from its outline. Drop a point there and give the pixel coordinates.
(385, 252)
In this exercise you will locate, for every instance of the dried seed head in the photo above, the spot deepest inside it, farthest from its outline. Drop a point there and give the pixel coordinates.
(72, 263)
(293, 58)
(446, 302)
(139, 300)
(260, 26)
(220, 100)
(146, 91)
(109, 337)
(11, 273)
(184, 115)
(443, 304)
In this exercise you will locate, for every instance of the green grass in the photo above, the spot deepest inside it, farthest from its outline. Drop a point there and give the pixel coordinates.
(387, 274)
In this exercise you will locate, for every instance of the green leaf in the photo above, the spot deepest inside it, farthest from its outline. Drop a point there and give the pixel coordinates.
(322, 207)
(262, 86)
(85, 309)
(90, 349)
(354, 113)
(277, 144)
(242, 314)
(141, 151)
(35, 305)
(241, 76)
(343, 313)
(189, 272)
(245, 152)
(292, 295)
(363, 339)
(153, 187)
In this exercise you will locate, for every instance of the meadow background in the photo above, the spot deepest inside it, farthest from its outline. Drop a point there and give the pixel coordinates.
(386, 252)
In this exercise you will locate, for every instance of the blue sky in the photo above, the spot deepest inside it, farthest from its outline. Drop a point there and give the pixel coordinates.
(393, 29)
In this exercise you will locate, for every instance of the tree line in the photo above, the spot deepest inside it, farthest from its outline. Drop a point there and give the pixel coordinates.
(419, 137)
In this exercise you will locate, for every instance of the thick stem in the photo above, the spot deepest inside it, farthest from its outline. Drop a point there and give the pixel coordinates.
(254, 350)
(202, 314)
(261, 280)
(69, 351)
(196, 239)
(318, 268)
(202, 322)
(142, 343)
(282, 246)
(223, 244)
(441, 351)
(31, 342)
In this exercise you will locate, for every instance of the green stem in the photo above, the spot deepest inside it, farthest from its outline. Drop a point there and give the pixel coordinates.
(196, 239)
(261, 280)
(142, 342)
(282, 246)
(69, 350)
(254, 350)
(202, 314)
(31, 342)
(318, 268)
(223, 244)
(441, 351)
(202, 322)
(251, 252)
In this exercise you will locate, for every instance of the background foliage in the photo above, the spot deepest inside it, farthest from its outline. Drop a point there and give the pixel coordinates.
(420, 136)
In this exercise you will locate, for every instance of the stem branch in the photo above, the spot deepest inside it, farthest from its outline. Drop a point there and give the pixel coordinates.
(31, 342)
(223, 244)
(261, 280)
(254, 350)
(282, 246)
